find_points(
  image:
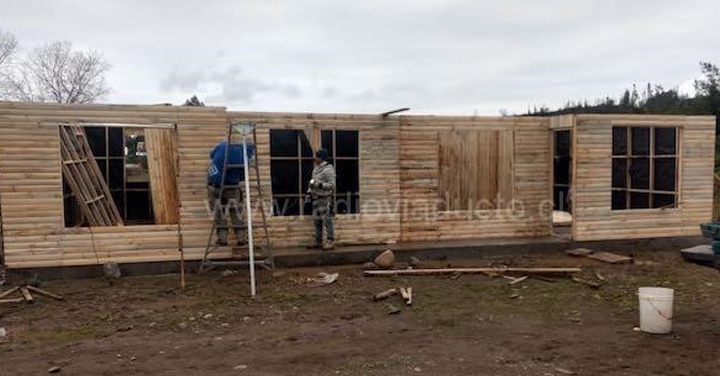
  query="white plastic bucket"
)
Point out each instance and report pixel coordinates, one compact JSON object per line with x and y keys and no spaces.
{"x":656,"y":309}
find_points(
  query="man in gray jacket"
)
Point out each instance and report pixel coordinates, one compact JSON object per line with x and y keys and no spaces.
{"x":322,"y":191}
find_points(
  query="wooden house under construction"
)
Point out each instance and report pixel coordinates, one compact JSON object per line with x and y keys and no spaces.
{"x":405,"y":178}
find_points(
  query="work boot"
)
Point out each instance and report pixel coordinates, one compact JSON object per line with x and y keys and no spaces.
{"x":329,"y":245}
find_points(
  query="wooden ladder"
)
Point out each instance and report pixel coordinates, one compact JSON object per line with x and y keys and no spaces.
{"x":266,"y":260}
{"x":84,"y":178}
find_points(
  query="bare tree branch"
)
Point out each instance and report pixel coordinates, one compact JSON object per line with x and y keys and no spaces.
{"x":8,"y":47}
{"x":57,"y":73}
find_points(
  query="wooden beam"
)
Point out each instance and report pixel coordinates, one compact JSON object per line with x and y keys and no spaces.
{"x":370,"y":273}
{"x":44,"y":292}
{"x":385,"y":294}
{"x":14,"y":300}
{"x":385,"y":114}
{"x":26,"y":294}
{"x":8,"y":292}
{"x":313,"y":138}
{"x":111,"y":125}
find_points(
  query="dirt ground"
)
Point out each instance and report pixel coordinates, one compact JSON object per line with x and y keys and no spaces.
{"x":471,"y":325}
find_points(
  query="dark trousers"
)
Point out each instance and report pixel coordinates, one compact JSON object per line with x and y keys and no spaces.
{"x":323,"y":217}
{"x":230,"y":204}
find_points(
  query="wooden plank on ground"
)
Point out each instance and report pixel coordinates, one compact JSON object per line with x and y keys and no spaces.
{"x":579,"y":252}
{"x":14,"y":300}
{"x":440,"y":271}
{"x":26,"y":294}
{"x":44,"y":292}
{"x":8,"y":292}
{"x":609,"y":257}
{"x":385,"y":294}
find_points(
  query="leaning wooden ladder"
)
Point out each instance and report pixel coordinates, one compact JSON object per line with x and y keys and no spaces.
{"x":85,"y":180}
{"x":243,"y":130}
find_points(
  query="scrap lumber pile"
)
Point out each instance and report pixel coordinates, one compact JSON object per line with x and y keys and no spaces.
{"x":404,"y":292}
{"x":25,"y":295}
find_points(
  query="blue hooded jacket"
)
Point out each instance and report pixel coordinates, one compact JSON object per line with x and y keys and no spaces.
{"x":235,"y":157}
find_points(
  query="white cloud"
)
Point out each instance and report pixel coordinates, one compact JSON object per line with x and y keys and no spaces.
{"x":228,"y":85}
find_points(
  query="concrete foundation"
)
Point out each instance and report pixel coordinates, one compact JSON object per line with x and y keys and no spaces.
{"x":442,"y":250}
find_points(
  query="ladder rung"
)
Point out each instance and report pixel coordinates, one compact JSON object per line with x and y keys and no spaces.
{"x":235,"y":165}
{"x":96,"y":199}
{"x":84,"y":180}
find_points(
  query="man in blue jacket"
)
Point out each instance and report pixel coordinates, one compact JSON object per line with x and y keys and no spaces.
{"x":228,"y":199}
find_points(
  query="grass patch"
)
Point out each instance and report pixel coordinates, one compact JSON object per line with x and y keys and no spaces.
{"x":65,"y":334}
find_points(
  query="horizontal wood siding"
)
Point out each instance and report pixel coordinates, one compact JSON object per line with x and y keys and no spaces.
{"x":31,"y":187}
{"x":528,"y":166}
{"x":593,"y":217}
{"x":399,"y":177}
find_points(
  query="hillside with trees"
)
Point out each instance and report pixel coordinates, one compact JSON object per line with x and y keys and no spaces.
{"x":652,"y":99}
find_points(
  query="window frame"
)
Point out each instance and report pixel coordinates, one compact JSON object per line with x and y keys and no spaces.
{"x":556,"y":158}
{"x":299,"y":158}
{"x":123,"y":191}
{"x":335,"y":158}
{"x":651,"y":157}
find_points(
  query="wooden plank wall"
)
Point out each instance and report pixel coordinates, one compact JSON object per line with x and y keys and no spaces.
{"x":473,"y":169}
{"x":593,"y":217}
{"x":398,"y":174}
{"x":31,"y":187}
{"x":2,"y":246}
{"x":162,"y":167}
{"x":527,"y":163}
{"x":399,"y":179}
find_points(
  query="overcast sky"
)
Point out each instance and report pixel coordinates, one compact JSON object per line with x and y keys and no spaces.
{"x":448,"y":57}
